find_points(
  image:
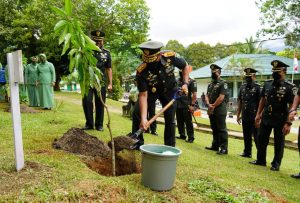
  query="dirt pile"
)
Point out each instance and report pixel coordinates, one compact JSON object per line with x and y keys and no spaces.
{"x":97,"y":155}
{"x":122,"y":142}
{"x":79,"y":142}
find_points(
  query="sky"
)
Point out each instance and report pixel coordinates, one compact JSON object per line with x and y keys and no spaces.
{"x":210,"y":21}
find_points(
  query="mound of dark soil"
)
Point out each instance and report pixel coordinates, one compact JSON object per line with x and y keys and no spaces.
{"x":122,"y":142}
{"x":79,"y":142}
{"x":25,"y":109}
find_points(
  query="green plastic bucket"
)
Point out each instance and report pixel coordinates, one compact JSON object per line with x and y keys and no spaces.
{"x":159,"y":166}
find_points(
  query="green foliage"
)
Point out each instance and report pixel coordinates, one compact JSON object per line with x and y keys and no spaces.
{"x":281,"y":18}
{"x":175,"y":46}
{"x":237,"y":66}
{"x":117,"y":91}
{"x":199,"y":54}
{"x":289,"y":53}
{"x":79,"y":47}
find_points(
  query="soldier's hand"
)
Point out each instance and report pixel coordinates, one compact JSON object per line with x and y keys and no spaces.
{"x":286,"y":129}
{"x":191,"y":109}
{"x":109,"y":88}
{"x":184,"y":89}
{"x":238,"y":119}
{"x":144,"y":124}
{"x":292,"y":115}
{"x":257,"y":121}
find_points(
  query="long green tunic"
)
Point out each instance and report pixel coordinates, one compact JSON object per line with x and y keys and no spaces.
{"x":23,"y":94}
{"x":31,"y":81}
{"x":46,"y":76}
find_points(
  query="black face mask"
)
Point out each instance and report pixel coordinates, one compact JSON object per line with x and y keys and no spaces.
{"x":214,"y":76}
{"x":276,"y":76}
{"x":248,"y":80}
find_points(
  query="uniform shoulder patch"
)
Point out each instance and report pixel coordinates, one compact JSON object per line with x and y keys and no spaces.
{"x":141,"y":67}
{"x":105,"y":49}
{"x":257,"y":84}
{"x":290,"y":83}
{"x":169,"y":53}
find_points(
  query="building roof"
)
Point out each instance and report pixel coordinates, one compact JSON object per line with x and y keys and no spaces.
{"x":262,"y":63}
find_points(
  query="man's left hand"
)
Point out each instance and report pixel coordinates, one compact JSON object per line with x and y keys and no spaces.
{"x":109,"y":88}
{"x":184,"y":89}
{"x":191,"y":109}
{"x":286,"y":129}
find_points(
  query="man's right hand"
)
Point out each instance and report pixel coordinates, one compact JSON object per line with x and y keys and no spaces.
{"x":144,"y":124}
{"x":238,"y":119}
{"x":292,"y":115}
{"x":257,"y":121}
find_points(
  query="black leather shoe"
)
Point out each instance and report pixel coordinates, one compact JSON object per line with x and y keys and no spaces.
{"x":87,"y":128}
{"x":222,"y":152}
{"x":296,"y":176}
{"x":147,"y":131}
{"x":99,"y":128}
{"x":274,"y":168}
{"x":154,"y":133}
{"x":181,"y":137}
{"x":211,"y":148}
{"x":246,"y":155}
{"x":257,"y":163}
{"x":190,"y":140}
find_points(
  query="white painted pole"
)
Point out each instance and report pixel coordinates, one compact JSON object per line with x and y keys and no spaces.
{"x":14,"y":62}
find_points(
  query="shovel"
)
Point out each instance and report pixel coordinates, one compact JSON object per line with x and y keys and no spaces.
{"x":141,"y":130}
{"x":198,"y":124}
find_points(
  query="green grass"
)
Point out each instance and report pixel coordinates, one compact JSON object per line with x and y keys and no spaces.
{"x":201,"y":175}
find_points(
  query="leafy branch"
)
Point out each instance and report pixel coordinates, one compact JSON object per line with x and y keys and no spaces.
{"x":80,"y":49}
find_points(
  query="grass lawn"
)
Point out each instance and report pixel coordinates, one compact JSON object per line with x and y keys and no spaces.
{"x":201,"y":176}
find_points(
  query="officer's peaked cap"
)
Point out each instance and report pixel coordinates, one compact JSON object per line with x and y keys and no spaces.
{"x":151,"y":45}
{"x":215,"y":67}
{"x":97,"y":35}
{"x":278,"y":65}
{"x":249,"y":71}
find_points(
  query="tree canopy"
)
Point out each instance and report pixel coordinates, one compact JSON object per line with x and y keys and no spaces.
{"x":281,"y":18}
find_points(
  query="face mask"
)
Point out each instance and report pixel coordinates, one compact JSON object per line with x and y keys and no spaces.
{"x":214,"y":76}
{"x":276,"y":76}
{"x":248,"y":80}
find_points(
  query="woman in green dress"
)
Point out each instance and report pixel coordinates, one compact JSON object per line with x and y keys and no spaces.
{"x":46,"y":81}
{"x":31,"y":82}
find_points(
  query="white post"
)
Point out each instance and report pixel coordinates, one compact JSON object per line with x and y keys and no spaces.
{"x":15,"y":68}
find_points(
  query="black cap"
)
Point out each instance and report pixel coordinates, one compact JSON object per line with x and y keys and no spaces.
{"x":249,"y":71}
{"x":278,"y":65}
{"x":215,"y":67}
{"x":97,"y":35}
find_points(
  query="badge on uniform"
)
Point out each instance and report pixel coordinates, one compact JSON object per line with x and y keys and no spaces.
{"x":153,"y":90}
{"x":225,"y":86}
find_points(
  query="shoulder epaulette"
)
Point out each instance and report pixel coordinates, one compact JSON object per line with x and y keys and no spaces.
{"x":141,"y":67}
{"x":169,"y":53}
{"x":290,"y":83}
{"x":105,"y":49}
{"x":257,"y":84}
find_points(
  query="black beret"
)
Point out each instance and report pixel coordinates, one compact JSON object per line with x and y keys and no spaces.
{"x":215,"y":67}
{"x":97,"y":35}
{"x":249,"y":71}
{"x":278,"y":65}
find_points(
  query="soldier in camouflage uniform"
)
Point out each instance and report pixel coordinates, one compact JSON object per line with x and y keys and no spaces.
{"x":216,"y":99}
{"x":276,"y":96}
